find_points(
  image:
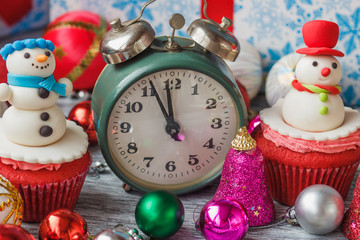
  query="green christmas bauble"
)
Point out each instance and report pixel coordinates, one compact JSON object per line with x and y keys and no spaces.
{"x":159,"y":214}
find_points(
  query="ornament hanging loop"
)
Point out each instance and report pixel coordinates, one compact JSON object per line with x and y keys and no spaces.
{"x":290,"y":216}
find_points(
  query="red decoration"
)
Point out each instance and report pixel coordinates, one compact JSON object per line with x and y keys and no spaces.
{"x":77,"y":36}
{"x":321,"y":37}
{"x":244,"y":94}
{"x":12,"y":11}
{"x":13,"y":232}
{"x":81,"y":114}
{"x":63,"y":224}
{"x":3,"y":71}
{"x":217,"y":9}
{"x":351,"y":223}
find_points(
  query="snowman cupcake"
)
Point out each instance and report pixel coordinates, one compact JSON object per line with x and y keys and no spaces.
{"x":42,"y":154}
{"x":309,"y":137}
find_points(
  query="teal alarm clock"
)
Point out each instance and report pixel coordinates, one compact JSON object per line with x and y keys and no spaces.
{"x":165,"y":109}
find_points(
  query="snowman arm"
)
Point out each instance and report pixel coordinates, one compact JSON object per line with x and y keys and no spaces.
{"x":68,"y":84}
{"x":5,"y":92}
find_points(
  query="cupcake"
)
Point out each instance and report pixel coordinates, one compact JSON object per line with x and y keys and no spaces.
{"x":309,"y":137}
{"x":42,"y":154}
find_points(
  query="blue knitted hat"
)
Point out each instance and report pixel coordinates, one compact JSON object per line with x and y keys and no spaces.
{"x":27,"y":43}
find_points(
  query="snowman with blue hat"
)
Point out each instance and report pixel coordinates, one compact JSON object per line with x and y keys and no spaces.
{"x":33,"y":119}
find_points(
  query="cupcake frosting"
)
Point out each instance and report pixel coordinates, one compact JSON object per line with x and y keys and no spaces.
{"x":273,"y":118}
{"x":71,"y":146}
{"x":299,"y":145}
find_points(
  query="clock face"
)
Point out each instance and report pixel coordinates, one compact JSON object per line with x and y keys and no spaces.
{"x":172,"y":129}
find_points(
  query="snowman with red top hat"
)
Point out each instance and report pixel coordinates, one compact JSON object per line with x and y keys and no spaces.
{"x":314,"y":103}
{"x":33,"y":119}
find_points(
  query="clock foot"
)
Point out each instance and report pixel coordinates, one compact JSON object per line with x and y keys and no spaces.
{"x":127,"y":188}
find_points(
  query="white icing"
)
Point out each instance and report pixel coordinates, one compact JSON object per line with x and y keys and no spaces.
{"x":17,"y":63}
{"x":247,"y":68}
{"x":28,"y":98}
{"x":301,"y":109}
{"x":308,"y":74}
{"x":22,"y":121}
{"x":5,"y":92}
{"x":273,"y":118}
{"x":278,"y":81}
{"x":71,"y":146}
{"x":23,"y":126}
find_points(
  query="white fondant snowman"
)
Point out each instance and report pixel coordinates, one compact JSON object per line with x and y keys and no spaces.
{"x":314,"y":103}
{"x":33,"y":119}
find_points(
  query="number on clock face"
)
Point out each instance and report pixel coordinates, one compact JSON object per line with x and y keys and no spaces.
{"x":146,"y":152}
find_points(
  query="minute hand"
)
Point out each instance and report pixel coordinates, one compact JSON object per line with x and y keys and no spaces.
{"x":159,"y":101}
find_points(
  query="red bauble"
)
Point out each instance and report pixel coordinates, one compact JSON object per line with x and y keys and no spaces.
{"x":13,"y":232}
{"x":63,"y":224}
{"x":77,"y":36}
{"x":81,"y":114}
{"x":245,"y":95}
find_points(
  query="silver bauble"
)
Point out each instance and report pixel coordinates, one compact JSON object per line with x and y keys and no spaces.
{"x":319,"y":209}
{"x":120,"y":232}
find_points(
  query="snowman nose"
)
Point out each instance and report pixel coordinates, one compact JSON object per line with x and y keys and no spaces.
{"x":41,"y":58}
{"x":325,"y":71}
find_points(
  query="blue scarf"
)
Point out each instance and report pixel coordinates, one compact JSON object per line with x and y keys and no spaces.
{"x":48,"y":83}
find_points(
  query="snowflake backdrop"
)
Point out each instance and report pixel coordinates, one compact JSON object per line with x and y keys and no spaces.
{"x":273,"y":27}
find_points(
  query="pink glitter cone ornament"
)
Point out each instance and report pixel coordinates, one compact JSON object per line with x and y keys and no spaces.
{"x":351,"y":224}
{"x":243,"y":179}
{"x":223,"y":219}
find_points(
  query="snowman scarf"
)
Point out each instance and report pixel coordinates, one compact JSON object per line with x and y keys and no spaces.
{"x":48,"y":83}
{"x":316,"y":88}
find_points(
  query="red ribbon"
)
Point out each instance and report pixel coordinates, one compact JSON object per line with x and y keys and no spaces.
{"x":217,"y":9}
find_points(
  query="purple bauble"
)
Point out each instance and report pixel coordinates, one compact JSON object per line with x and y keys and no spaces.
{"x":223,"y":219}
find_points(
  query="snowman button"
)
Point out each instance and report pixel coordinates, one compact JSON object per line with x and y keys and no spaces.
{"x":46,"y":131}
{"x":43,"y":93}
{"x":44,"y":116}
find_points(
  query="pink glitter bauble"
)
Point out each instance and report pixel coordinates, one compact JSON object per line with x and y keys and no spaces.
{"x":223,"y":219}
{"x":243,"y":179}
{"x":351,"y":223}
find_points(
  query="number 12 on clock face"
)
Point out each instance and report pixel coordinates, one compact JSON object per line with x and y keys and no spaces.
{"x":172,"y":129}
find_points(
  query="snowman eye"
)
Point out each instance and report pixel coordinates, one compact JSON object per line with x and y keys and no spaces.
{"x":334,"y":65}
{"x":47,"y":53}
{"x":26,"y":55}
{"x":315,"y":63}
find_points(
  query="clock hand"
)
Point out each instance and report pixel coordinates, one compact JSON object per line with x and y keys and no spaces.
{"x":159,"y":101}
{"x":170,"y":108}
{"x":172,"y":127}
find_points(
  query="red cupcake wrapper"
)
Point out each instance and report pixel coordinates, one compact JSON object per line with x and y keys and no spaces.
{"x":40,"y":200}
{"x":286,"y":182}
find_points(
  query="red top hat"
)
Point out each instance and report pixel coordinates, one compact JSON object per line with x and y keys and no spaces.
{"x":321,"y":37}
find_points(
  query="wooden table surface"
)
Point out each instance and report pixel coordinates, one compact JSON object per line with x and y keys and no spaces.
{"x":103,"y":204}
